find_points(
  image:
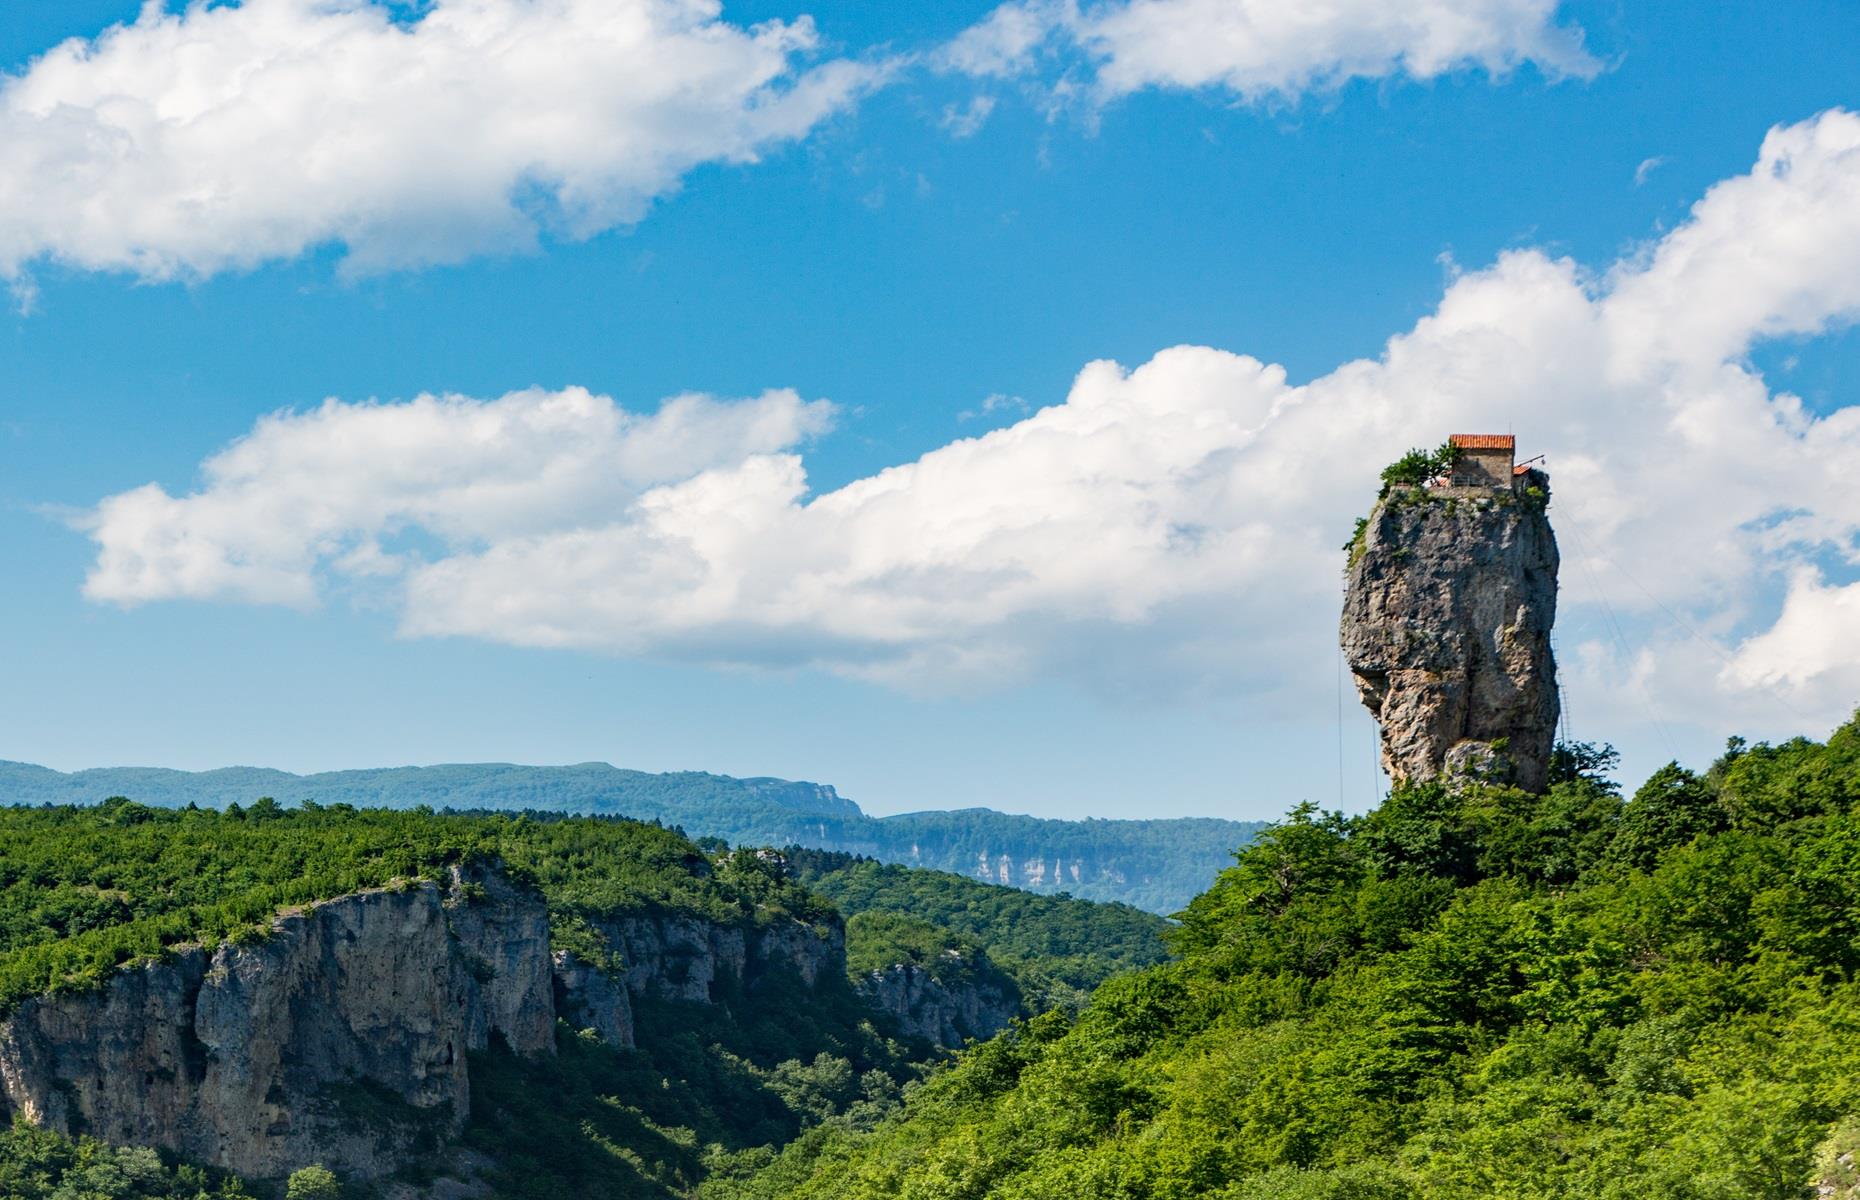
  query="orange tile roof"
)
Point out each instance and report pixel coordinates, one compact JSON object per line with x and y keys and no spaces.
{"x":1484,"y":441}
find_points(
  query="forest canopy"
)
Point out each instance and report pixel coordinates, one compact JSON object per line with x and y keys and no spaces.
{"x":1468,"y":992}
{"x":1056,"y":948}
{"x":86,"y":889}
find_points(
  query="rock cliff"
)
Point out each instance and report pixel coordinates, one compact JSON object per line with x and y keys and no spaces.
{"x":680,"y":957}
{"x":975,"y":1001}
{"x":501,"y":932}
{"x":588,"y":998}
{"x":1037,"y":872}
{"x":1446,"y":629}
{"x":340,"y":1038}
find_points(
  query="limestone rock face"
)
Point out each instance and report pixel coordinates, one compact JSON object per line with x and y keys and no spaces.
{"x":1040,"y":870}
{"x":675,"y":957}
{"x":811,"y":954}
{"x":340,"y":1038}
{"x":503,"y":932}
{"x":588,"y":998}
{"x":977,"y":1004}
{"x":1446,"y":629}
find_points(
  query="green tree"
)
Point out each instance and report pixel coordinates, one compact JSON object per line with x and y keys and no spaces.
{"x":1417,"y":467}
{"x":313,"y":1183}
{"x":1670,"y":809}
{"x":1571,"y":761}
{"x":1422,"y":827}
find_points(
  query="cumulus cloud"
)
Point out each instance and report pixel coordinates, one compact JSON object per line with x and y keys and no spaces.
{"x":224,"y":136}
{"x":1812,"y":652}
{"x":220,"y":137}
{"x":1773,"y":252}
{"x":1259,"y":48}
{"x":309,"y":495}
{"x":1176,"y":522}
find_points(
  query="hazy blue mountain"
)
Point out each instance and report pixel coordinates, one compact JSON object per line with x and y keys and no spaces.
{"x":1157,"y":865}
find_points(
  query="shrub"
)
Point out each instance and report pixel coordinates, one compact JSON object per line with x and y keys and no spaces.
{"x":1417,"y":467}
{"x":313,"y":1183}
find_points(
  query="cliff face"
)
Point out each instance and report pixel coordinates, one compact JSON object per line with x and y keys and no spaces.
{"x":976,"y":1004}
{"x":339,"y":1039}
{"x":342,"y":1037}
{"x":588,"y":998}
{"x":502,"y":934}
{"x":1446,"y":629}
{"x":673,"y":957}
{"x":1037,"y":872}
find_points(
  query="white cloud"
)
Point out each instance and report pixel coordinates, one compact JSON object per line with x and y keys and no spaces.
{"x":225,"y":136}
{"x":1004,"y":42}
{"x":185,"y":144}
{"x":966,"y":120}
{"x":1171,"y":525}
{"x":1812,"y":652}
{"x":308,"y":495}
{"x":1776,"y":251}
{"x":996,"y":402}
{"x":1259,"y":48}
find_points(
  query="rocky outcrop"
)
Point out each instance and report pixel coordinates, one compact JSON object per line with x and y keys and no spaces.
{"x":589,"y":998}
{"x":1038,"y":872}
{"x":502,"y":933}
{"x":808,"y":952}
{"x":974,"y":1001}
{"x":340,"y":1038}
{"x":1446,"y":629}
{"x":678,"y":957}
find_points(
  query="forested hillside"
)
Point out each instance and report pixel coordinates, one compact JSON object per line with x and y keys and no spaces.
{"x":1463,"y":994}
{"x":1056,"y":948}
{"x":88,"y":891}
{"x":1154,"y":864}
{"x":84,"y":891}
{"x":1469,"y":992}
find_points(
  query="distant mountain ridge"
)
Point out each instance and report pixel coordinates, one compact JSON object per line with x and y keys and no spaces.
{"x":1153,"y":864}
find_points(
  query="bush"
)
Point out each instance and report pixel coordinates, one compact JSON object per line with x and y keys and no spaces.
{"x":313,"y":1183}
{"x":1417,"y":467}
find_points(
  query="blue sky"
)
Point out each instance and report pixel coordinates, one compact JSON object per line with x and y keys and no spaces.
{"x":880,"y":260}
